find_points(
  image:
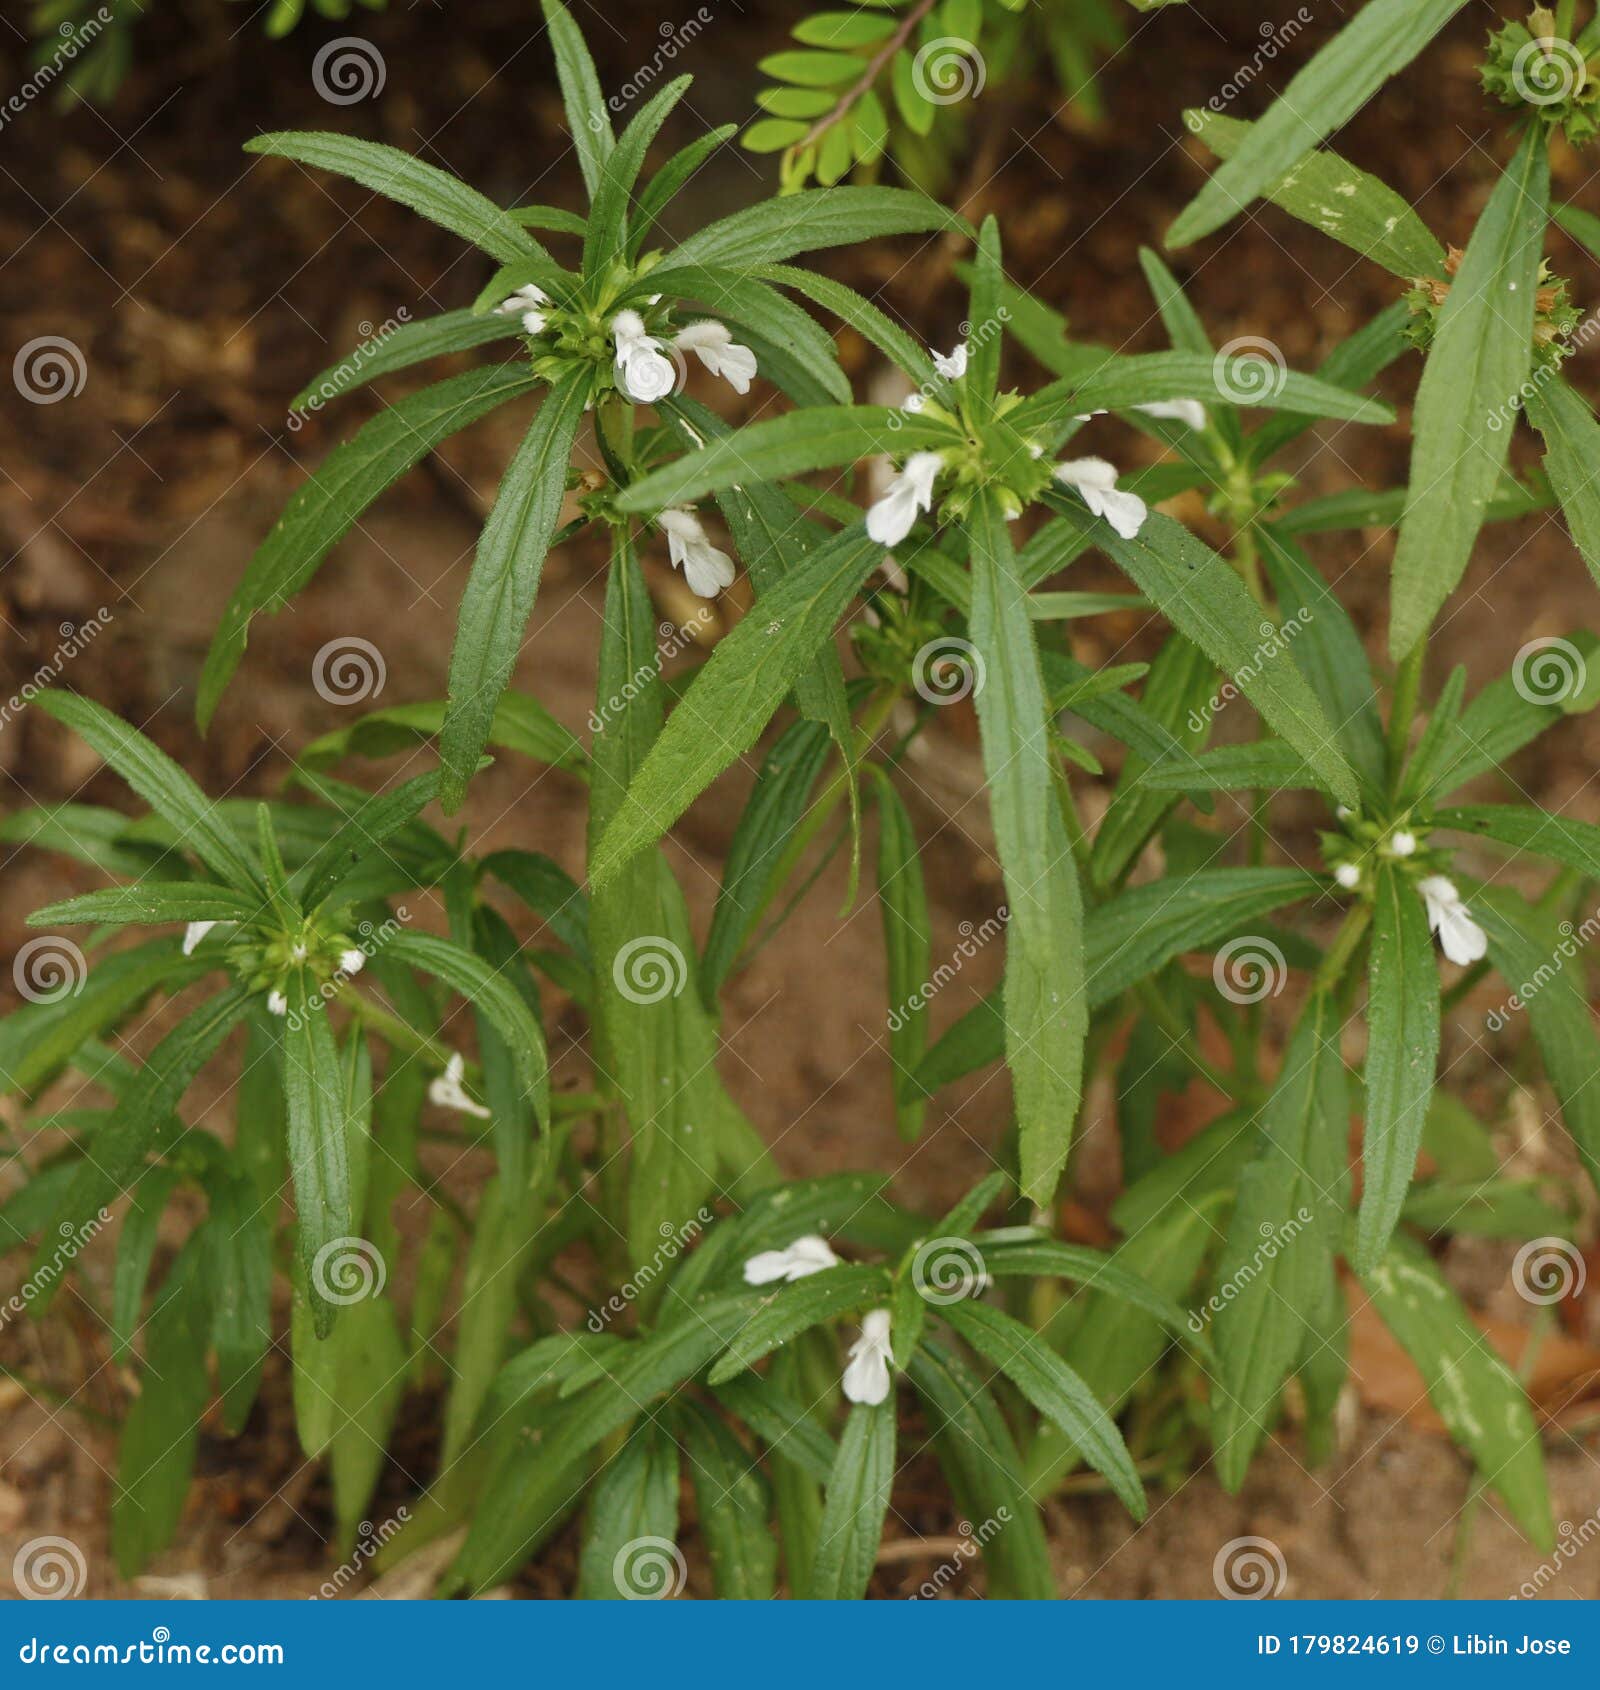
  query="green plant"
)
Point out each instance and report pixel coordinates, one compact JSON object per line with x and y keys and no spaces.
{"x":714,"y":1290}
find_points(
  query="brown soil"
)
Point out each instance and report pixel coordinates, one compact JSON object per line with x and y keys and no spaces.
{"x":204,"y":289}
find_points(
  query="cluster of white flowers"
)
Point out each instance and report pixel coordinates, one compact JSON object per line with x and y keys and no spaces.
{"x":892,"y":516}
{"x":866,"y":1375}
{"x":1461,"y":939}
{"x":646,"y":375}
{"x":525,"y":303}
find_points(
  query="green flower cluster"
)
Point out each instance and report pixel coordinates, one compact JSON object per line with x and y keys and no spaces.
{"x":1530,"y":65}
{"x":1554,"y":314}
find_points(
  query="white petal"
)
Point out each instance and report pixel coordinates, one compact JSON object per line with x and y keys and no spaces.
{"x":1087,"y":472}
{"x":866,"y":1379}
{"x":697,"y":337}
{"x":921,"y":471}
{"x":912,"y":403}
{"x":352,"y":961}
{"x":277,"y":1003}
{"x":1124,"y":511}
{"x":707,"y":570}
{"x":627,"y":331}
{"x":1189,"y":411}
{"x":737,"y":367}
{"x":1460,"y":937}
{"x":647,"y":376}
{"x":953,"y":366}
{"x":807,"y":1255}
{"x":533,"y":322}
{"x":1348,"y":876}
{"x":767,"y":1267}
{"x":889,"y":520}
{"x":194,"y":933}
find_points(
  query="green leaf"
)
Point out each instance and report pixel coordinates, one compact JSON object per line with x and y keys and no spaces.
{"x":588,"y":119}
{"x":1055,"y":1390}
{"x":605,"y":235}
{"x":776,"y":229}
{"x":427,"y":190}
{"x":629,"y":1536}
{"x":319,"y":1149}
{"x":136,"y":1249}
{"x":856,"y":1505}
{"x":1572,"y":454}
{"x":732,"y":1506}
{"x":1476,"y":1394}
{"x":521,"y":724}
{"x":504,"y":582}
{"x":238,"y":1243}
{"x":160,"y":782}
{"x":399,"y":349}
{"x":323,"y":511}
{"x":493,"y":996}
{"x":735,"y":694}
{"x":1046,"y":1016}
{"x":673,"y":176}
{"x":1332,"y":195}
{"x":782,"y":1315}
{"x":785,"y":1426}
{"x":153,"y":901}
{"x":362,"y":832}
{"x":1200,"y":595}
{"x":1467,"y":398}
{"x":1523,"y":827}
{"x":1402,"y":1054}
{"x":1292,"y":1199}
{"x":1265,"y":763}
{"x":903,"y":904}
{"x":1381,"y":39}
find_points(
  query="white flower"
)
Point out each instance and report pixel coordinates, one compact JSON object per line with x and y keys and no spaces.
{"x":277,"y":1003}
{"x":1189,"y":411}
{"x":352,"y":961}
{"x":1402,"y":844}
{"x":1096,"y":480}
{"x":706,"y":569}
{"x":449,"y":1092}
{"x":890,"y":519}
{"x":194,"y":933}
{"x":1348,"y":876}
{"x":716,"y":348}
{"x":810,"y":1254}
{"x":912,"y":403}
{"x":1343,"y":812}
{"x":646,"y":375}
{"x":866,"y":1379}
{"x":952,"y":366}
{"x":1460,"y":937}
{"x":524,"y":303}
{"x":299,"y":953}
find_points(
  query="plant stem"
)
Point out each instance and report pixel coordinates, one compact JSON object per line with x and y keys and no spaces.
{"x":865,"y":81}
{"x":1344,"y":948}
{"x":1402,"y":709}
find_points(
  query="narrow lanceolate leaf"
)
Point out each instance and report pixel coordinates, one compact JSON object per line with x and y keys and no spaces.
{"x":427,"y":190}
{"x":1202,"y":597}
{"x":1277,"y":1263}
{"x":319,"y":1147}
{"x":1469,"y":393}
{"x":177,"y":900}
{"x":1476,"y":1394}
{"x":1046,"y":1010}
{"x":733,"y":1507}
{"x":323,"y":511}
{"x":779,"y":228}
{"x":588,"y":117}
{"x":505,"y":581}
{"x":364,"y":829}
{"x":860,"y":313}
{"x":1402,"y":1053}
{"x":606,"y":232}
{"x":795,"y":1308}
{"x":168,"y":791}
{"x":1332,"y":195}
{"x":816,"y":438}
{"x":856,"y":1504}
{"x":632,"y":1521}
{"x":1522,"y":827}
{"x":1572,"y":460}
{"x":399,"y":349}
{"x":903,"y":900}
{"x":1265,"y":763}
{"x":1028,"y":1361}
{"x":735,"y":695}
{"x":1381,"y":39}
